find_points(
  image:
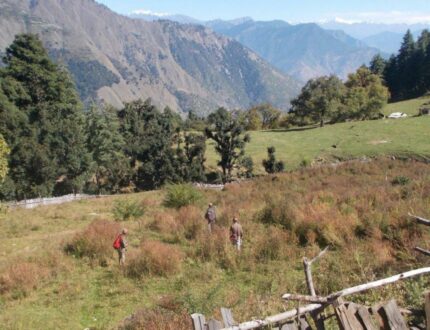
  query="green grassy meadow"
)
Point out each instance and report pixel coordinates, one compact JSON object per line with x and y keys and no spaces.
{"x":174,"y":267}
{"x":387,"y":137}
{"x":357,"y":209}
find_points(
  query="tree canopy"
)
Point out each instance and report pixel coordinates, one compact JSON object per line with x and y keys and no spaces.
{"x":407,"y":74}
{"x":41,"y":119}
{"x":227,"y":132}
{"x":319,"y":101}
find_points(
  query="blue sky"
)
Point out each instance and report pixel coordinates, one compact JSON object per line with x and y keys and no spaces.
{"x":386,"y":11}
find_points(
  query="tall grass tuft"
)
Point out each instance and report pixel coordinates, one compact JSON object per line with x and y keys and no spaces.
{"x":154,"y":258}
{"x":157,"y":319}
{"x":95,"y":242}
{"x":21,"y":277}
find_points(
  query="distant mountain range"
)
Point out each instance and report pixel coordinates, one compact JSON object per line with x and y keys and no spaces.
{"x":386,"y":37}
{"x":304,"y":50}
{"x":117,"y":59}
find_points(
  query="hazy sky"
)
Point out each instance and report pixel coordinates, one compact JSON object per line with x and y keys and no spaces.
{"x":387,"y":11}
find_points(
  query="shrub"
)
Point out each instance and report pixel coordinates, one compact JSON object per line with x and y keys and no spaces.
{"x":246,"y":167}
{"x":271,"y":244}
{"x":216,"y":247}
{"x":164,"y":222}
{"x":154,"y":258}
{"x":124,"y":210}
{"x":191,"y":220}
{"x":271,"y":165}
{"x":400,"y":180}
{"x":21,"y":277}
{"x":95,"y":242}
{"x":278,"y":212}
{"x":180,"y":195}
{"x":305,"y":163}
{"x":157,"y":319}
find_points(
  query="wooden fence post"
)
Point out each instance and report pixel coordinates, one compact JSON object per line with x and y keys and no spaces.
{"x":199,"y":321}
{"x":427,"y":309}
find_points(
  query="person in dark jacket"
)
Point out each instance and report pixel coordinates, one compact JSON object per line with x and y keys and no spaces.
{"x":210,"y":216}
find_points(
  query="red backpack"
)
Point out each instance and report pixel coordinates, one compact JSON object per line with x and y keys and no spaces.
{"x":117,"y":243}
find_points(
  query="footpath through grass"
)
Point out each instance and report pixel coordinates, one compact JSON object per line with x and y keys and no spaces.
{"x":388,"y":137}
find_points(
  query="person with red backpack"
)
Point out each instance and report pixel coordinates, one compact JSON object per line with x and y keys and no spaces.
{"x":120,"y":244}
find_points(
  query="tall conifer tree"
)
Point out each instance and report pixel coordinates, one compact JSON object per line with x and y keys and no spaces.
{"x":48,"y":152}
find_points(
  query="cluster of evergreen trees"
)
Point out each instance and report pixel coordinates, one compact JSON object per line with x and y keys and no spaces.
{"x":406,"y":74}
{"x":56,"y":147}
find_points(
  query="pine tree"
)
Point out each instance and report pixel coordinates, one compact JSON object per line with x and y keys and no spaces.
{"x":271,"y":165}
{"x":110,"y":165}
{"x":190,"y":158}
{"x":377,"y":65}
{"x":48,"y":153}
{"x":406,"y":60}
{"x":407,"y":48}
{"x":149,"y":137}
{"x":227,"y":133}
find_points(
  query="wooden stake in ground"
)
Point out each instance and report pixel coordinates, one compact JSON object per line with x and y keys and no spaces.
{"x":308,"y":271}
{"x":427,"y":309}
{"x":319,"y":322}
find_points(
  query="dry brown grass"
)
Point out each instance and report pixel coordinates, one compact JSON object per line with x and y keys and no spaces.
{"x":21,"y":277}
{"x":191,"y":221}
{"x":215,"y":247}
{"x":154,"y":258}
{"x":157,"y":319}
{"x":95,"y":242}
{"x":355,"y":208}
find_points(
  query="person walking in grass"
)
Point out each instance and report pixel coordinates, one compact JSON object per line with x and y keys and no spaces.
{"x":120,"y":244}
{"x":210,"y":216}
{"x":236,"y":233}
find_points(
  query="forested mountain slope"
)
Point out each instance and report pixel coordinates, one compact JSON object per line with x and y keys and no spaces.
{"x":118,"y":59}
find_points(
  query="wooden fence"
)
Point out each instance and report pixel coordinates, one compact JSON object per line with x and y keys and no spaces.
{"x":349,"y":316}
{"x":32,"y":203}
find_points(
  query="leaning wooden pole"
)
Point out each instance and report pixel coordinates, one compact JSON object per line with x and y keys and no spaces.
{"x":420,"y":220}
{"x":423,"y":251}
{"x":279,"y":318}
{"x":368,"y":286}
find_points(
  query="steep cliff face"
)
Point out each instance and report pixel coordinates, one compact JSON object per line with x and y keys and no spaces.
{"x":119,"y":59}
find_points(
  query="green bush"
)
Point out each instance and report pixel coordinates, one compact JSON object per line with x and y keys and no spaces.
{"x":180,"y":195}
{"x":126,"y":209}
{"x":401,"y":180}
{"x":305,"y":163}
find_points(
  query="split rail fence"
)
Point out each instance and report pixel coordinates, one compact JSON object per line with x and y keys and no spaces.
{"x":349,"y":316}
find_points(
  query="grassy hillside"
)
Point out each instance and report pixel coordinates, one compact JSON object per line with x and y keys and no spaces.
{"x":58,"y":269}
{"x":409,"y":107}
{"x":401,"y":137}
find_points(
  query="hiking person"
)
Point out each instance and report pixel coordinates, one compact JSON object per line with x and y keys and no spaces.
{"x":210,"y":216}
{"x":120,"y":244}
{"x":236,"y":233}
